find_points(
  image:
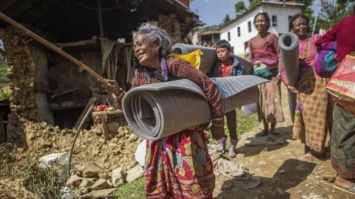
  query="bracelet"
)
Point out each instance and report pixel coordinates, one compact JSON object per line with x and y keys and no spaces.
{"x":119,"y":96}
{"x":217,"y":119}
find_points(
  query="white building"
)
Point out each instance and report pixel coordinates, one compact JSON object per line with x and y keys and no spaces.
{"x":239,"y":31}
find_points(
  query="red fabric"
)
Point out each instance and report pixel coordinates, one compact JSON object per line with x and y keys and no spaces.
{"x":343,"y":33}
{"x":225,"y":69}
{"x":179,"y":167}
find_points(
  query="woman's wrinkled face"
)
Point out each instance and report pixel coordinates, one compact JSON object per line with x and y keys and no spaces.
{"x":145,"y":51}
{"x":300,"y":27}
{"x":223,"y":54}
{"x":260,"y":23}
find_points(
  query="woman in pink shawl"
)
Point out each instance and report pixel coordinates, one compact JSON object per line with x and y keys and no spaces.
{"x":313,"y":115}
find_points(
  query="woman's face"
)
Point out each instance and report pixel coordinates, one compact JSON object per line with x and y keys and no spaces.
{"x":145,"y":51}
{"x":261,"y":24}
{"x":300,"y":27}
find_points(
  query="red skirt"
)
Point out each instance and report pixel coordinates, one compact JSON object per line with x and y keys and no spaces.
{"x":179,"y":166}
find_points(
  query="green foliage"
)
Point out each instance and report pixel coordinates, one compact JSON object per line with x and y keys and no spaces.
{"x":42,"y":182}
{"x":306,"y":9}
{"x":133,"y":190}
{"x":3,"y":71}
{"x":246,"y":123}
{"x":5,"y":95}
{"x":240,"y":7}
{"x":209,"y":28}
{"x":332,"y":12}
{"x":253,"y":3}
{"x":226,"y":19}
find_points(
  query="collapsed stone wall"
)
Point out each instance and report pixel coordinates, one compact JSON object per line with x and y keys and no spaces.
{"x":21,"y":73}
{"x":39,"y":139}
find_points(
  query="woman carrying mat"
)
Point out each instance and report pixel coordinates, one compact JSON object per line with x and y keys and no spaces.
{"x":312,"y":117}
{"x":265,"y":56}
{"x":176,"y":166}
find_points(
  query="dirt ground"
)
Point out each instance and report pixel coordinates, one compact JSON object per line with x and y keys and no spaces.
{"x":282,"y":172}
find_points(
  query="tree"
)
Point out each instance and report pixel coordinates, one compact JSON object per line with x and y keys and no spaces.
{"x":253,"y":3}
{"x":226,"y":19}
{"x":332,"y":12}
{"x":306,"y":9}
{"x":239,"y":8}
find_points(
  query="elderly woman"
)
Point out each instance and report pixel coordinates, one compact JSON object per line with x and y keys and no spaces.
{"x":312,"y":115}
{"x":177,"y":166}
{"x":264,"y":55}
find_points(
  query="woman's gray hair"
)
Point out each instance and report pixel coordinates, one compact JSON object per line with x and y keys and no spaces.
{"x":156,"y":35}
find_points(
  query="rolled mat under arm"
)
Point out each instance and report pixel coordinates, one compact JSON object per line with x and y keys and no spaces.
{"x":158,"y":110}
{"x":288,"y":43}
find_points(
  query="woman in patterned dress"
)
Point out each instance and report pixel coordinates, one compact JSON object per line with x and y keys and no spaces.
{"x":313,"y":114}
{"x":265,"y":56}
{"x":177,"y":166}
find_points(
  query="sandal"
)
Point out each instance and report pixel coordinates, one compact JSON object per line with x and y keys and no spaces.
{"x":350,"y":190}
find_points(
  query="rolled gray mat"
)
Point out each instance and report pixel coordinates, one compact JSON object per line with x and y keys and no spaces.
{"x":158,"y":110}
{"x":288,"y":43}
{"x":208,"y":59}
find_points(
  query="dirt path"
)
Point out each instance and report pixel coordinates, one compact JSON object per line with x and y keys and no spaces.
{"x":282,"y":172}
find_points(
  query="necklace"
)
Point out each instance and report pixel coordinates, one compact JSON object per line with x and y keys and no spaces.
{"x":308,"y":48}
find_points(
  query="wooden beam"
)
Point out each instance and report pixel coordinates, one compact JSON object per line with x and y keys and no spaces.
{"x":51,"y":46}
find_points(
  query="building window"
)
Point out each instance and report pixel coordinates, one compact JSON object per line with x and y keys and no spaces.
{"x":238,"y":31}
{"x":274,"y":20}
{"x":229,"y":36}
{"x":249,"y":26}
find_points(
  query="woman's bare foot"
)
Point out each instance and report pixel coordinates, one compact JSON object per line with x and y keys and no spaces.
{"x":344,"y":185}
{"x":307,"y":157}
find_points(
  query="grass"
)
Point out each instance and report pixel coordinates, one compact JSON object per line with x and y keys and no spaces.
{"x":4,"y":94}
{"x":135,"y":189}
{"x":23,"y":179}
{"x":3,"y":71}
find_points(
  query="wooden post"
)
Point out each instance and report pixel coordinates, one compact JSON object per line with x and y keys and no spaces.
{"x":2,"y":129}
{"x":51,"y":46}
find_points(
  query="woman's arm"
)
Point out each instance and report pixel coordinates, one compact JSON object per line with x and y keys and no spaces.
{"x":329,"y":36}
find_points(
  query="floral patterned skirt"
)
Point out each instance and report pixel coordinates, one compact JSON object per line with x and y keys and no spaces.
{"x":313,"y":112}
{"x":179,"y":166}
{"x":270,"y":101}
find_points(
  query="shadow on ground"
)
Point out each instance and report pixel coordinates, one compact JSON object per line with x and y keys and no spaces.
{"x":274,"y":187}
{"x":258,"y":145}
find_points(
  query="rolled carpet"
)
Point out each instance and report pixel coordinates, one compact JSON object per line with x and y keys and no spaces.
{"x":158,"y":110}
{"x":288,"y":43}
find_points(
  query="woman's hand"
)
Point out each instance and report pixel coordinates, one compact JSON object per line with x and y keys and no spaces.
{"x":111,"y":87}
{"x":292,"y":89}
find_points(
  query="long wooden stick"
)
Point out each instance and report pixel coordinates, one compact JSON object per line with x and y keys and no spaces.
{"x":51,"y":46}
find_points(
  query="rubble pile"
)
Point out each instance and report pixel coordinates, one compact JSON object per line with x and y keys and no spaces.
{"x":21,"y":73}
{"x":109,"y":143}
